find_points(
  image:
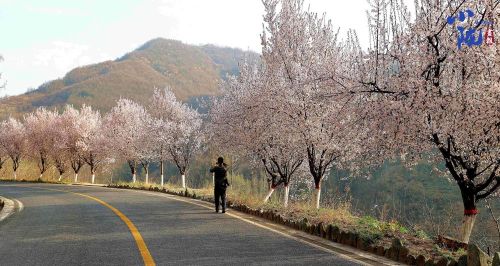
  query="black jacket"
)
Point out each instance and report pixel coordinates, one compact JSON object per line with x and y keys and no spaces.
{"x":220,"y":175}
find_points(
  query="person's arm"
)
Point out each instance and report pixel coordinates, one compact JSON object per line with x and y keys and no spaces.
{"x":212,"y":169}
{"x":226,"y":182}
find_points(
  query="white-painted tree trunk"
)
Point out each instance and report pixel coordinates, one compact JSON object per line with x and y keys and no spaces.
{"x":317,"y":196}
{"x":134,"y":178}
{"x":41,"y":176}
{"x":76,"y":178}
{"x":161,"y":172}
{"x":266,"y":199}
{"x":213,"y":179}
{"x":93,"y":178}
{"x":60,"y":177}
{"x":183,"y":181}
{"x":287,"y":193}
{"x":15,"y":175}
{"x":147,"y":178}
{"x":467,"y":225}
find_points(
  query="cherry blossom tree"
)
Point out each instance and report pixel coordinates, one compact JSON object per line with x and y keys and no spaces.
{"x":147,"y":147}
{"x":301,"y":52}
{"x":72,"y":122}
{"x":161,"y":110}
{"x":182,"y":130}
{"x":186,"y":139}
{"x":94,"y":145}
{"x":429,"y":95}
{"x":126,"y":128}
{"x":58,"y":135}
{"x":13,"y":141}
{"x":58,"y":153}
{"x":39,"y":135}
{"x":240,"y":122}
{"x":150,"y":146}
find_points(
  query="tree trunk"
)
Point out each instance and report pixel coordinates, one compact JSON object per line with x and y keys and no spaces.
{"x":213,"y":179}
{"x":317,"y":195}
{"x":133,"y":167}
{"x":60,"y":177}
{"x":15,"y":166}
{"x":147,"y":177}
{"x":287,"y":192}
{"x":183,"y":177}
{"x":271,"y":190}
{"x":76,"y":177}
{"x":470,"y":210}
{"x":93,"y":178}
{"x":161,"y":173}
{"x":467,"y":225}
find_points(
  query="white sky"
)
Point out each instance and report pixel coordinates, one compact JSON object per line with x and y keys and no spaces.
{"x":44,"y":39}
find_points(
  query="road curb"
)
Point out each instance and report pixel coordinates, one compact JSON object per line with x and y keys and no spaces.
{"x":8,"y":209}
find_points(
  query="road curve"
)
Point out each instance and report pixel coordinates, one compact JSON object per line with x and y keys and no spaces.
{"x":60,"y":225}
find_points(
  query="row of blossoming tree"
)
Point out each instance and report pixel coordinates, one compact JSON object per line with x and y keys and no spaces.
{"x":318,"y":102}
{"x":166,"y":130}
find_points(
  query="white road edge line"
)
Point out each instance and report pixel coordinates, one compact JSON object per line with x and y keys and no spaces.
{"x":202,"y":204}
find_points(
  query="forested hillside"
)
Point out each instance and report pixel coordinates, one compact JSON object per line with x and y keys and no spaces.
{"x":189,"y":70}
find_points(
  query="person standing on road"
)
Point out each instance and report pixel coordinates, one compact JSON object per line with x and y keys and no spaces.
{"x":220,"y":184}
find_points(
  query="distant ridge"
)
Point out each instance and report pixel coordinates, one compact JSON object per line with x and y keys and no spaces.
{"x":190,"y":71}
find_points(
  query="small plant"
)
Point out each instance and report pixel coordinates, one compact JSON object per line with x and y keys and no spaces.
{"x":460,"y":252}
{"x":421,"y":234}
{"x":370,"y":222}
{"x":443,"y":252}
{"x":394,"y":226}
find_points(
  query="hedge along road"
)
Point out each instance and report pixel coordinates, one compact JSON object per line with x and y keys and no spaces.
{"x":79,"y":225}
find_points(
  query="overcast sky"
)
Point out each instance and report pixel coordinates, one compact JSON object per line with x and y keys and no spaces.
{"x":44,"y":39}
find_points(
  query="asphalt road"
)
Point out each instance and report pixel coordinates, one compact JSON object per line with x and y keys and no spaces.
{"x":59,"y":227}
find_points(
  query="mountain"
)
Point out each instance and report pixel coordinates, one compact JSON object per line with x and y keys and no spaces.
{"x":191,"y":71}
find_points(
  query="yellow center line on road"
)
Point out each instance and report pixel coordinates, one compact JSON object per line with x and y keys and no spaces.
{"x":141,"y":245}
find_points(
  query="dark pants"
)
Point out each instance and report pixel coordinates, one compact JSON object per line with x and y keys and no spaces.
{"x":220,"y":198}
